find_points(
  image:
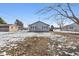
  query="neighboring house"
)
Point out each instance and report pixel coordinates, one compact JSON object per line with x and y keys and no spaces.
{"x":39,"y":27}
{"x":71,"y":27}
{"x":8,"y":27}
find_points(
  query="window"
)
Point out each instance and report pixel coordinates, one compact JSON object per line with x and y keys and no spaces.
{"x":44,"y":27}
{"x":11,"y":27}
{"x":33,"y":27}
{"x":71,"y":27}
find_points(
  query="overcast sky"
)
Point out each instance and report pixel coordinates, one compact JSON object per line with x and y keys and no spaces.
{"x":26,"y":13}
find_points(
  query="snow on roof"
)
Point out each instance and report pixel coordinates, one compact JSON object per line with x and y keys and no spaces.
{"x":38,"y":22}
{"x":73,"y":24}
{"x":6,"y":24}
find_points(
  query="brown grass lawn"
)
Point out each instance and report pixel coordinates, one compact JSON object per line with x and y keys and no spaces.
{"x":70,"y":35}
{"x":31,"y":46}
{"x":43,"y":46}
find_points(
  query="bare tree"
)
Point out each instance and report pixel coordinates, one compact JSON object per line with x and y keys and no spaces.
{"x":19,"y":23}
{"x":64,"y":10}
{"x":60,"y":22}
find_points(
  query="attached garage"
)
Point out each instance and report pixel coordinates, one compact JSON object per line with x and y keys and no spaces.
{"x":8,"y":27}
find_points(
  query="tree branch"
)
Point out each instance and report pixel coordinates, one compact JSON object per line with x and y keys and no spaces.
{"x":70,"y":9}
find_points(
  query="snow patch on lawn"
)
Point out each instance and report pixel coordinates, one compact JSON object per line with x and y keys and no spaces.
{"x":6,"y":37}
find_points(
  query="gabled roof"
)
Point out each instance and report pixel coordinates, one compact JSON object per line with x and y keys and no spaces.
{"x":73,"y":24}
{"x":38,"y":22}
